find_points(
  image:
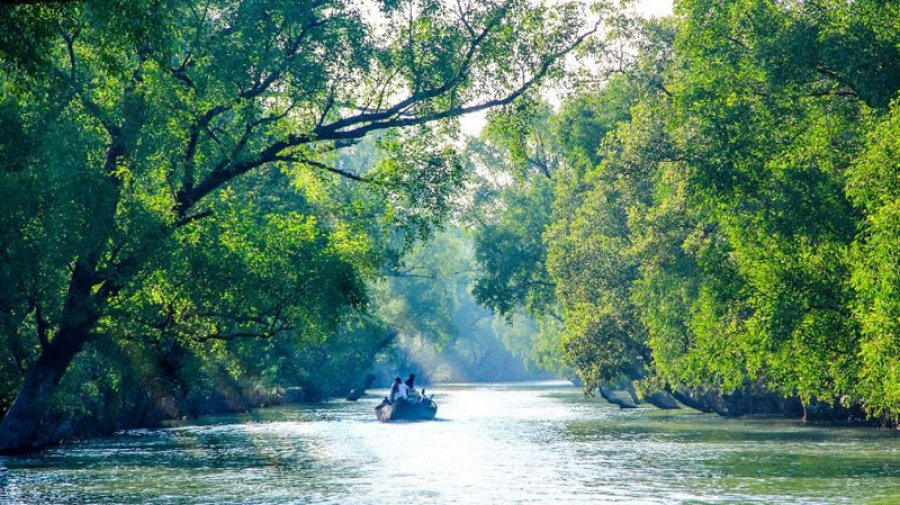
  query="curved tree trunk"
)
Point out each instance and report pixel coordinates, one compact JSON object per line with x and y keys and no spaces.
{"x":688,"y":399}
{"x":87,"y":290}
{"x":662,"y":400}
{"x":708,"y":401}
{"x":613,"y":398}
{"x":629,"y":386}
{"x":357,"y":392}
{"x":20,"y":429}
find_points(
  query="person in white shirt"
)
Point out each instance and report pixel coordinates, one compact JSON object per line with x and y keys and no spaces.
{"x":399,"y":391}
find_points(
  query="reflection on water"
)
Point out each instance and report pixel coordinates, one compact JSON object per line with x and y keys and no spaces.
{"x":499,"y":444}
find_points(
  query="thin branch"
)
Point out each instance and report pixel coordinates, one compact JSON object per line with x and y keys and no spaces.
{"x":70,"y":41}
{"x":196,"y":216}
{"x":232,"y":336}
{"x":41,"y":325}
{"x":19,"y":356}
{"x":193,"y":136}
{"x":480,"y":318}
{"x":271,"y":333}
{"x":329,"y":104}
{"x":462,"y":18}
{"x":840,"y":79}
{"x":89,"y":105}
{"x":328,"y":168}
{"x":409,"y":275}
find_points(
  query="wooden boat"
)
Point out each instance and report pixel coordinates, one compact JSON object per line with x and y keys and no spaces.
{"x":423,"y":410}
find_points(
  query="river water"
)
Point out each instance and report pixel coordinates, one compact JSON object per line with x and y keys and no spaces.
{"x":535,"y":443}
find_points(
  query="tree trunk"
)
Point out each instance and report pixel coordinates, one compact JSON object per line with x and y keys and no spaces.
{"x":613,"y":398}
{"x":20,"y":429}
{"x":687,"y":398}
{"x":662,"y":400}
{"x":357,"y":392}
{"x":629,"y":386}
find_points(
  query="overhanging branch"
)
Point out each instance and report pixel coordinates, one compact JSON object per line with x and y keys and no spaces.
{"x":358,"y":126}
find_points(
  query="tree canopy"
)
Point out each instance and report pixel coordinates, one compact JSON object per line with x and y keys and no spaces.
{"x":203,"y":202}
{"x":174,"y":172}
{"x":727,"y":231}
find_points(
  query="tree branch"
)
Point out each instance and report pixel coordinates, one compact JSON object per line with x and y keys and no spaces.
{"x":421,"y":96}
{"x":316,"y":164}
{"x":196,"y":216}
{"x":270,"y":333}
{"x":365,"y":123}
{"x":70,"y":41}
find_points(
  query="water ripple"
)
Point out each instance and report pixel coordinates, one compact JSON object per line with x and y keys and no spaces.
{"x":510,"y":444}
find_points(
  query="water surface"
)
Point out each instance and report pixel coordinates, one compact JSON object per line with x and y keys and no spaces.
{"x":497,"y":444}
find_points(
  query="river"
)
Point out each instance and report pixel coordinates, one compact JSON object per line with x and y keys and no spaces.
{"x":534,"y":443}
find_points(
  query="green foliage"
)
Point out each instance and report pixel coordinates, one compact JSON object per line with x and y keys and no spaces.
{"x":511,"y":252}
{"x":584,"y":120}
{"x":593,"y":261}
{"x":872,"y":186}
{"x":517,"y":162}
{"x":519,"y":226}
{"x":175,"y":185}
{"x":429,"y":175}
{"x":736,"y":230}
{"x":724,"y":210}
{"x":767,"y":145}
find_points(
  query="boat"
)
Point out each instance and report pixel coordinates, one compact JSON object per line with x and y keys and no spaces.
{"x":422,"y":410}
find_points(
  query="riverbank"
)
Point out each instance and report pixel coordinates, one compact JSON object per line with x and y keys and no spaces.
{"x":151,"y":410}
{"x":747,"y":403}
{"x":247,"y":397}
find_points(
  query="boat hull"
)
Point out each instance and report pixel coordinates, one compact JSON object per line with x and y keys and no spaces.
{"x":403,"y":410}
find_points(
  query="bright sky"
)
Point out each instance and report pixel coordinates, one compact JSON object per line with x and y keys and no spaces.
{"x":654,"y":7}
{"x":472,"y":124}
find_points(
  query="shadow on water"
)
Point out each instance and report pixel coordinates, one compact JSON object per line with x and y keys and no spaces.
{"x":688,"y":433}
{"x":415,"y":421}
{"x":763,"y":463}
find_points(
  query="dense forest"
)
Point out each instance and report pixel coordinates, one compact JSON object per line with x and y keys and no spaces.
{"x":718,"y":219}
{"x":205,"y":203}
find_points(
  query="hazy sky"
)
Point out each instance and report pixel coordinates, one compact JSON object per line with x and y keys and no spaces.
{"x":473,"y":123}
{"x":655,"y":7}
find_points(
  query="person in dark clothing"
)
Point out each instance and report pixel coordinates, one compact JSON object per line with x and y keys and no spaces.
{"x":411,"y":381}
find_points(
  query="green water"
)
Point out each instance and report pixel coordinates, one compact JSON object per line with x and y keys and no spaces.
{"x":498,"y":444}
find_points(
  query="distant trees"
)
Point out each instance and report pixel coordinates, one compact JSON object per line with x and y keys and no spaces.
{"x":441,"y":332}
{"x":521,"y":223}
